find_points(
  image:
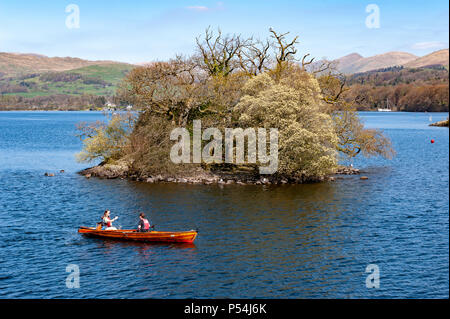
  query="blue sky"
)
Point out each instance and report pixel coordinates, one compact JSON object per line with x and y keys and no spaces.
{"x":140,"y":31}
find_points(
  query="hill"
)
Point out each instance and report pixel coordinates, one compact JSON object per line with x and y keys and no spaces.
{"x":347,"y":62}
{"x":32,"y":81}
{"x":440,"y":57}
{"x":355,"y":63}
{"x":94,"y":79}
{"x":379,"y":61}
{"x":15,"y":64}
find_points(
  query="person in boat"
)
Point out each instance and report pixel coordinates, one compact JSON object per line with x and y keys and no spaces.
{"x":107,"y":221}
{"x":144,"y":224}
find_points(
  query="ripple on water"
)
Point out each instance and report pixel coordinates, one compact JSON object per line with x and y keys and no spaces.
{"x":293,"y":241}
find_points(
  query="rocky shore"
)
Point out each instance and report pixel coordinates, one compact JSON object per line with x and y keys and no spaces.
{"x":112,"y":171}
{"x":443,"y":123}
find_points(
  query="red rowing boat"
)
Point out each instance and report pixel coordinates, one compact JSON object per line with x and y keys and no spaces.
{"x":134,"y":235}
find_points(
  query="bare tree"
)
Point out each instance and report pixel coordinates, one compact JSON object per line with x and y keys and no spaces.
{"x":305,"y":63}
{"x":255,"y":57}
{"x":333,"y":86}
{"x":217,"y":53}
{"x":174,"y":89}
{"x":286,"y":50}
{"x":353,"y":138}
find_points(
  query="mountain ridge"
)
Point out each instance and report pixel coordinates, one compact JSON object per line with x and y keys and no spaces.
{"x":15,"y":64}
{"x":379,"y":61}
{"x":356,"y":63}
{"x":440,"y":57}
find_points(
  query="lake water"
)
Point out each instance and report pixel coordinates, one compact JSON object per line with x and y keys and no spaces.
{"x":291,"y":241}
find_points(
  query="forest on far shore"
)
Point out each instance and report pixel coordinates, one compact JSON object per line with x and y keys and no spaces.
{"x":404,"y":89}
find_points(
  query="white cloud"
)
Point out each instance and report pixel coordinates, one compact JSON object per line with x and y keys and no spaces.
{"x":198,"y":8}
{"x":428,"y":45}
{"x":218,"y":7}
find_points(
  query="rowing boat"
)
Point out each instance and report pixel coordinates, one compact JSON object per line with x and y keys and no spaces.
{"x":134,"y":235}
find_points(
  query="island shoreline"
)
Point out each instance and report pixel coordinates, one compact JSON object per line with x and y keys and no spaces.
{"x":120,"y":171}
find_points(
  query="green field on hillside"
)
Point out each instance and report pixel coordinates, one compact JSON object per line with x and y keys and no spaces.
{"x":100,"y":80}
{"x":113,"y":73}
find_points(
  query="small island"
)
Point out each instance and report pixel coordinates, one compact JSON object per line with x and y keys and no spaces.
{"x":238,"y":85}
{"x":443,"y":123}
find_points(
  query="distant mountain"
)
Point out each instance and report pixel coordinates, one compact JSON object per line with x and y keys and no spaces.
{"x":440,"y":57}
{"x":347,"y":62}
{"x":355,"y":63}
{"x":375,"y":62}
{"x":34,"y":75}
{"x":15,"y":64}
{"x":93,"y":79}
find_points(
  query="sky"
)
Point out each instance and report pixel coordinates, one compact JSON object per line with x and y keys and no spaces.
{"x":144,"y":31}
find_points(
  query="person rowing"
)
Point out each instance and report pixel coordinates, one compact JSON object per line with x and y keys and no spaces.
{"x":144,"y":224}
{"x":107,"y":221}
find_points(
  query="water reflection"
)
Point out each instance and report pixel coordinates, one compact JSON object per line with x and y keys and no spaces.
{"x":109,"y":246}
{"x":283,"y":227}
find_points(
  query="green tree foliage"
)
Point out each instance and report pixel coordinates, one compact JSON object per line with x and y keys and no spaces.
{"x":354,"y":139}
{"x":105,"y":141}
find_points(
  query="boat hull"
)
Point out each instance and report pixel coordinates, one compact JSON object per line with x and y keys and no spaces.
{"x":133,"y":235}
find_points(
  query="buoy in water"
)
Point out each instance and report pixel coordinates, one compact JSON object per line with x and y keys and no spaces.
{"x":432,"y":141}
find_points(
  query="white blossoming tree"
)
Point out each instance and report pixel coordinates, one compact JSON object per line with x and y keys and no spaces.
{"x":293,"y":105}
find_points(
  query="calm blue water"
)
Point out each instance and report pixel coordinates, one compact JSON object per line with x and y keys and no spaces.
{"x":293,"y":241}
